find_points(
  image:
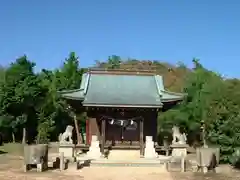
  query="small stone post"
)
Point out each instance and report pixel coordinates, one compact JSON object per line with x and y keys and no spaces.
{"x":26,"y":167}
{"x":166,"y":165}
{"x":40,"y":167}
{"x":204,"y":169}
{"x":62,"y":164}
{"x":182,"y":164}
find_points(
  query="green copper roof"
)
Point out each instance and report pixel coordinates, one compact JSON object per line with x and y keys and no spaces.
{"x":118,"y":90}
{"x":127,"y":90}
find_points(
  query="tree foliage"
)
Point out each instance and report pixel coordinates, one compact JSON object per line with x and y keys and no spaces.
{"x":31,"y":109}
{"x":213,"y":103}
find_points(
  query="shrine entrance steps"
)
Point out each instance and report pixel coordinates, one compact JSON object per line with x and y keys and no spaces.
{"x":130,"y":158}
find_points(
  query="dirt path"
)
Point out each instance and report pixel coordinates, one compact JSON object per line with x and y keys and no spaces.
{"x":11,"y":169}
{"x":121,"y":173}
{"x":92,"y":173}
{"x":111,"y":173}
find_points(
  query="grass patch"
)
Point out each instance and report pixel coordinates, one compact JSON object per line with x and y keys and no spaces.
{"x":17,"y":149}
{"x":12,"y":148}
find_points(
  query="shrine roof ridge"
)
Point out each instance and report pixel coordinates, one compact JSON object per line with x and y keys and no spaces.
{"x":122,"y":71}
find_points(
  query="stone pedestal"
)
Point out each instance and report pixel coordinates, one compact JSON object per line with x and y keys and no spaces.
{"x":149,"y":151}
{"x":207,"y":158}
{"x":94,"y":149}
{"x":67,"y":149}
{"x":179,"y":150}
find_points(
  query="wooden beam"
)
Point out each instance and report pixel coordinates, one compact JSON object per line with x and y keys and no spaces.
{"x":103,"y":130}
{"x":141,"y":139}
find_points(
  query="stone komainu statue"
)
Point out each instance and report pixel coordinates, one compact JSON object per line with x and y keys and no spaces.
{"x":178,"y":137}
{"x":66,"y":137}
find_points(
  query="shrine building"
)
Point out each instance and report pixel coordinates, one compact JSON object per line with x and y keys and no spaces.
{"x":122,"y":106}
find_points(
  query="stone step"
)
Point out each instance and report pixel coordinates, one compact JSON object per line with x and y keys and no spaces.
{"x":125,"y":165}
{"x":130,"y":163}
{"x":124,"y":154}
{"x":126,"y":161}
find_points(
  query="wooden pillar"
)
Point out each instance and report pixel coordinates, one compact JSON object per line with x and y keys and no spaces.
{"x":141,"y":139}
{"x":103,"y":135}
{"x":79,"y":137}
{"x":87,"y":133}
{"x":93,"y":129}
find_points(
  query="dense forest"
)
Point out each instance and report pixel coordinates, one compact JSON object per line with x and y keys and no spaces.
{"x":32,"y":111}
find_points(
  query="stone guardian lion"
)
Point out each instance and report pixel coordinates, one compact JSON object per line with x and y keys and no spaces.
{"x":66,"y":137}
{"x":178,"y":137}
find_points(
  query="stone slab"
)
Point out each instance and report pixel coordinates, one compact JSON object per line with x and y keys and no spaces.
{"x":179,"y":146}
{"x":66,"y":144}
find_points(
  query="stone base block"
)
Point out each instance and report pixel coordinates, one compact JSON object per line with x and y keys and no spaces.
{"x":67,"y":150}
{"x":179,"y":150}
{"x":150,"y":153}
{"x":40,"y":167}
{"x":94,"y":153}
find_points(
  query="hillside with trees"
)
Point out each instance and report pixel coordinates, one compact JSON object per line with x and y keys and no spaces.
{"x":174,"y":75}
{"x":32,"y":111}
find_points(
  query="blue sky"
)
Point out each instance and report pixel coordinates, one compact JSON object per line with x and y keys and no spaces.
{"x":171,"y":31}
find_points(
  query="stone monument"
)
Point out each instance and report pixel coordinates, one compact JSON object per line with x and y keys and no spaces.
{"x":179,"y":143}
{"x":36,"y":155}
{"x":66,"y":145}
{"x":149,"y":151}
{"x":94,"y":149}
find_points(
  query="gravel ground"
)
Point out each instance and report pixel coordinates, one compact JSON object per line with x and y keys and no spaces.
{"x":11,"y":169}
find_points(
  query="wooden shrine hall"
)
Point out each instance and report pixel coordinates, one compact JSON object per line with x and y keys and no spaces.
{"x":122,"y":106}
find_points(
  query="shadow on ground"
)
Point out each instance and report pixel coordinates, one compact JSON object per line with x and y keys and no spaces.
{"x":2,"y":152}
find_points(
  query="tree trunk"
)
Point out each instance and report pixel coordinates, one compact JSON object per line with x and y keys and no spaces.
{"x":24,"y":136}
{"x":13,"y":137}
{"x":79,"y":137}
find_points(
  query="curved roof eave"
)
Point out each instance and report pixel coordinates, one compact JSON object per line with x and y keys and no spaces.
{"x":168,"y":96}
{"x":123,"y":105}
{"x":76,"y":94}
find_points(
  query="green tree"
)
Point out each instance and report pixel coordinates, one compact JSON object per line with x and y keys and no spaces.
{"x":200,"y":88}
{"x":53,"y":112}
{"x":114,"y":62}
{"x":19,"y":93}
{"x":69,"y":75}
{"x":47,"y":107}
{"x":215,"y":102}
